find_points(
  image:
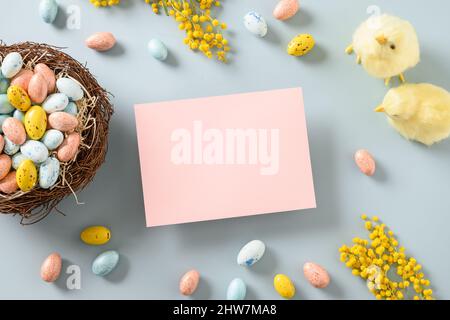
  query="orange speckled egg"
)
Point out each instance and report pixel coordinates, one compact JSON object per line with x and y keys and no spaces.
{"x":286,"y":9}
{"x":62,"y":121}
{"x":189,"y":282}
{"x":8,"y":184}
{"x":5,"y":165}
{"x":316,"y":275}
{"x":365,"y":162}
{"x":51,"y":267}
{"x":14,"y":130}
{"x":22,"y":79}
{"x":48,"y":75}
{"x":68,"y":149}
{"x":37,"y":88}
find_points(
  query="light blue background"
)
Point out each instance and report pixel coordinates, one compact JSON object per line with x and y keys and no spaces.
{"x":410,"y":190}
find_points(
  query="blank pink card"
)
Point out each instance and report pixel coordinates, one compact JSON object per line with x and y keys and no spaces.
{"x":224,"y":157}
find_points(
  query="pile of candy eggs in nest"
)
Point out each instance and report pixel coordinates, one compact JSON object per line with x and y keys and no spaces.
{"x":38,"y":124}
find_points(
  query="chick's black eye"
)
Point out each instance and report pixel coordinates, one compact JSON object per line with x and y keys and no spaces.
{"x":393,"y":46}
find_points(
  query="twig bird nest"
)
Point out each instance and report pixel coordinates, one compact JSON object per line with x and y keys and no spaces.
{"x":94,"y":113}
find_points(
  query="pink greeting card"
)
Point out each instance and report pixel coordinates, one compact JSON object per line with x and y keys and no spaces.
{"x":223,"y":157}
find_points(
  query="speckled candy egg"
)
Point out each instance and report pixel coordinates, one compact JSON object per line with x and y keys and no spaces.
{"x":37,"y":88}
{"x":26,"y":175}
{"x":69,"y":148}
{"x":301,"y":45}
{"x":189,"y":282}
{"x":19,"y":115}
{"x":158,"y":49}
{"x":236,"y":290}
{"x":55,"y":102}
{"x":3,"y":117}
{"x":22,"y":79}
{"x":286,"y":9}
{"x":48,"y":75}
{"x":5,"y":106}
{"x":17,"y":160}
{"x":8,"y":184}
{"x":52,"y":139}
{"x":48,"y":9}
{"x":62,"y":121}
{"x":34,"y":150}
{"x":95,"y":235}
{"x":251,"y":253}
{"x":255,"y":23}
{"x":71,"y":108}
{"x":105,"y":263}
{"x":284,"y":286}
{"x":18,"y":98}
{"x":365,"y":162}
{"x":10,"y":147}
{"x":316,"y":275}
{"x":51,"y":268}
{"x":35,"y":122}
{"x":2,"y":143}
{"x":101,"y":41}
{"x":48,"y":173}
{"x":5,"y":165}
{"x":70,"y":88}
{"x":13,"y":129}
{"x":4,"y":84}
{"x":12,"y":64}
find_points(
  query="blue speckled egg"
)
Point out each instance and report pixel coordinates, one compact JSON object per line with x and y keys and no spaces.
{"x":255,"y":23}
{"x":12,"y":64}
{"x":19,"y":115}
{"x":10,"y":148}
{"x":4,"y":84}
{"x":251,"y":253}
{"x":70,"y":88}
{"x":157,"y":49}
{"x":35,"y":151}
{"x":5,"y":106}
{"x":48,"y":173}
{"x":48,"y":9}
{"x":236,"y":290}
{"x":52,"y":139}
{"x":72,"y":108}
{"x":17,"y":160}
{"x":55,"y":102}
{"x":105,"y":263}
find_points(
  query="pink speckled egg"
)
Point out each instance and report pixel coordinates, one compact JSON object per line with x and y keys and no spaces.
{"x":8,"y":184}
{"x":22,"y":79}
{"x":51,"y":267}
{"x":14,"y":130}
{"x":5,"y":165}
{"x":101,"y":41}
{"x":37,"y":88}
{"x":316,"y":275}
{"x":48,"y":75}
{"x":189,"y":282}
{"x":2,"y":143}
{"x":286,"y":9}
{"x":365,"y":162}
{"x":68,"y":149}
{"x":62,"y":121}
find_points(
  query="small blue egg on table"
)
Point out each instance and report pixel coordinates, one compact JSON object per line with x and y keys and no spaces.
{"x":158,"y":49}
{"x":48,"y":9}
{"x":105,"y":263}
{"x":236,"y":290}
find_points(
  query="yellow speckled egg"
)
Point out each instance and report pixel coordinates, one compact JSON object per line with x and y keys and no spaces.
{"x":95,"y":235}
{"x":18,"y":98}
{"x":26,"y":175}
{"x":284,"y":286}
{"x":35,"y":121}
{"x":301,"y":45}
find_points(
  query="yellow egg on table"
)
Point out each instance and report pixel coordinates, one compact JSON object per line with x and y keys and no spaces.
{"x":284,"y":286}
{"x":26,"y":175}
{"x":18,"y":98}
{"x":301,"y":45}
{"x":95,"y":235}
{"x":35,"y":121}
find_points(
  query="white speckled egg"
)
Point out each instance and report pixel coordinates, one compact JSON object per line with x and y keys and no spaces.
{"x":71,"y":109}
{"x":52,"y":139}
{"x":251,"y":253}
{"x":35,"y":151}
{"x":236,"y":290}
{"x":255,"y":23}
{"x":105,"y":263}
{"x":5,"y":106}
{"x":48,"y":9}
{"x":70,"y":88}
{"x":55,"y":102}
{"x":10,"y":148}
{"x":48,"y":173}
{"x":158,"y":49}
{"x":17,"y":160}
{"x":11,"y":64}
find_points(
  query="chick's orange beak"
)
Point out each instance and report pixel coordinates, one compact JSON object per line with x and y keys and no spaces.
{"x":382,"y":40}
{"x":380,"y":109}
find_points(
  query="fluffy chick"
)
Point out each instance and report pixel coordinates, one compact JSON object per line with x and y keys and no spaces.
{"x":419,"y":112}
{"x":386,"y":46}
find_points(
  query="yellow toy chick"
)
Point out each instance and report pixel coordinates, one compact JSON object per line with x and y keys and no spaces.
{"x":418,"y":112}
{"x":386,"y":46}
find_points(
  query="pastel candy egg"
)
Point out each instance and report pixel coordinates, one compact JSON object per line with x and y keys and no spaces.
{"x":5,"y":165}
{"x":51,"y":268}
{"x":52,"y":139}
{"x":18,"y":98}
{"x":286,"y":9}
{"x":13,"y":129}
{"x":11,"y":65}
{"x":22,"y":79}
{"x":284,"y":286}
{"x":37,"y":88}
{"x":68,"y":149}
{"x":55,"y":102}
{"x":255,"y":23}
{"x":251,"y":253}
{"x":3,"y":117}
{"x":72,"y":108}
{"x":26,"y":175}
{"x":62,"y":121}
{"x":236,"y":290}
{"x":10,"y":148}
{"x":101,"y":41}
{"x":189,"y":282}
{"x":4,"y":84}
{"x":365,"y":162}
{"x":8,"y":184}
{"x":316,"y":275}
{"x":17,"y":160}
{"x":301,"y":45}
{"x":48,"y":173}
{"x":2,"y":143}
{"x":5,"y":106}
{"x":34,"y":150}
{"x":158,"y":49}
{"x":70,"y":88}
{"x":105,"y":263}
{"x":48,"y":9}
{"x":19,"y":115}
{"x":35,"y":122}
{"x":95,"y":235}
{"x":48,"y":75}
